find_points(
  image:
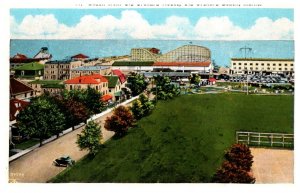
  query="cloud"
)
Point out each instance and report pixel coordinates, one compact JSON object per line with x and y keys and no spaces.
{"x":263,"y":29}
{"x":132,"y":25}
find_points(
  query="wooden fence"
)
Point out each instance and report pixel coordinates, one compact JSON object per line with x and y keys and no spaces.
{"x":265,"y":139}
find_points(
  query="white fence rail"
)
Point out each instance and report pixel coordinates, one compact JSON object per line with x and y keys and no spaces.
{"x":265,"y":139}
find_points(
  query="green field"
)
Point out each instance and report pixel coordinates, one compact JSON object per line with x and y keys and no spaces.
{"x":184,"y":139}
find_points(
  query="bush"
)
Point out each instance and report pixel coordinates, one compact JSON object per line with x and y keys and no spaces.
{"x":240,"y":155}
{"x":120,"y":121}
{"x":236,"y":167}
{"x":231,"y":173}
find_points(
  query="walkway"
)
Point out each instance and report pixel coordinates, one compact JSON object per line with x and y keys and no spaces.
{"x":36,"y":166}
{"x":273,"y":165}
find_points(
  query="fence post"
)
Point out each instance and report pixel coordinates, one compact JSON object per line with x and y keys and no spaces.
{"x":283,"y":142}
{"x":248,"y":141}
{"x":258,"y":138}
{"x":271,"y":140}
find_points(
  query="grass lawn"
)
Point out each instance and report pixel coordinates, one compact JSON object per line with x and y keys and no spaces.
{"x":27,"y":144}
{"x":183,"y":140}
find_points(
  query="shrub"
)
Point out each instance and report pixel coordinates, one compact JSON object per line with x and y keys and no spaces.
{"x":231,"y":173}
{"x":120,"y":121}
{"x":240,"y":155}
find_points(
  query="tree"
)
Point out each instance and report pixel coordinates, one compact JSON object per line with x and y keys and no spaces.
{"x":41,"y":118}
{"x":231,"y":173}
{"x":137,"y":110}
{"x":240,"y":155}
{"x":90,"y":138}
{"x":136,"y":83}
{"x":195,"y":79}
{"x":120,"y":121}
{"x":90,"y":97}
{"x":76,"y":112}
{"x":93,"y":100}
{"x":164,"y":89}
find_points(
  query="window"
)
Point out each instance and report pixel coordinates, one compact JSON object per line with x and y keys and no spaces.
{"x":245,"y":68}
{"x":245,"y":63}
{"x":262,"y":64}
{"x":268,"y":68}
{"x":71,"y":87}
{"x":256,"y":64}
{"x":256,"y":68}
{"x":240,"y":68}
{"x":240,"y":63}
{"x":279,"y":68}
{"x":109,"y":90}
{"x":234,"y":63}
{"x":279,"y":64}
{"x":251,"y":64}
{"x":292,"y":69}
{"x":233,"y":68}
{"x":274,"y":68}
{"x":285,"y":69}
{"x":251,"y":68}
{"x":292,"y":64}
{"x":274,"y":64}
{"x":285,"y":64}
{"x":268,"y":64}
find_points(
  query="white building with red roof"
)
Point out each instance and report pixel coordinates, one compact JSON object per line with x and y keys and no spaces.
{"x":96,"y":81}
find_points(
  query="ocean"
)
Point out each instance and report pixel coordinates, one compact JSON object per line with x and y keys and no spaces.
{"x":221,"y":51}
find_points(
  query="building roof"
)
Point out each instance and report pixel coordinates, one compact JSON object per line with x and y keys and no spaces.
{"x":59,"y":62}
{"x":262,"y":59}
{"x":15,"y":106}
{"x":189,"y":64}
{"x":132,"y":63}
{"x":90,"y":68}
{"x":112,"y":81}
{"x":169,"y":74}
{"x":120,"y":74}
{"x":31,"y":66}
{"x":20,"y":56}
{"x":17,"y":87}
{"x":88,"y":79}
{"x":106,"y":97}
{"x":80,"y":56}
{"x":23,"y":60}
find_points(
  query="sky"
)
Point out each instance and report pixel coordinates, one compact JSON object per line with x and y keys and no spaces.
{"x":161,"y":23}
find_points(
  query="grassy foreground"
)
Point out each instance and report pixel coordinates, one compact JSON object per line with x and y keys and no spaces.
{"x":183,"y":140}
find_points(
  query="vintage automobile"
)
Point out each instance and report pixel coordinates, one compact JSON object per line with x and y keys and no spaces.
{"x":64,"y":161}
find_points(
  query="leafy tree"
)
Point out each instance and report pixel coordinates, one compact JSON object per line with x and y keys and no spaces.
{"x":41,"y":118}
{"x":136,"y":83}
{"x":90,"y":138}
{"x":93,"y":100}
{"x":137,"y":110}
{"x":240,"y":155}
{"x":120,"y":121}
{"x":195,"y":79}
{"x":90,"y":97}
{"x":141,"y":107}
{"x":164,"y":88}
{"x":231,"y":173}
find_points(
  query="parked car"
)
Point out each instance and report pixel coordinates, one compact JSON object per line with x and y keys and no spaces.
{"x":64,"y":161}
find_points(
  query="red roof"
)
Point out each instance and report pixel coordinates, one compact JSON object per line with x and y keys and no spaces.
{"x":17,"y":87}
{"x":80,"y":56}
{"x":120,"y":74}
{"x":20,"y":56}
{"x":190,"y":64}
{"x":16,"y":105}
{"x":106,"y":97}
{"x":212,"y":80}
{"x":88,"y":79}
